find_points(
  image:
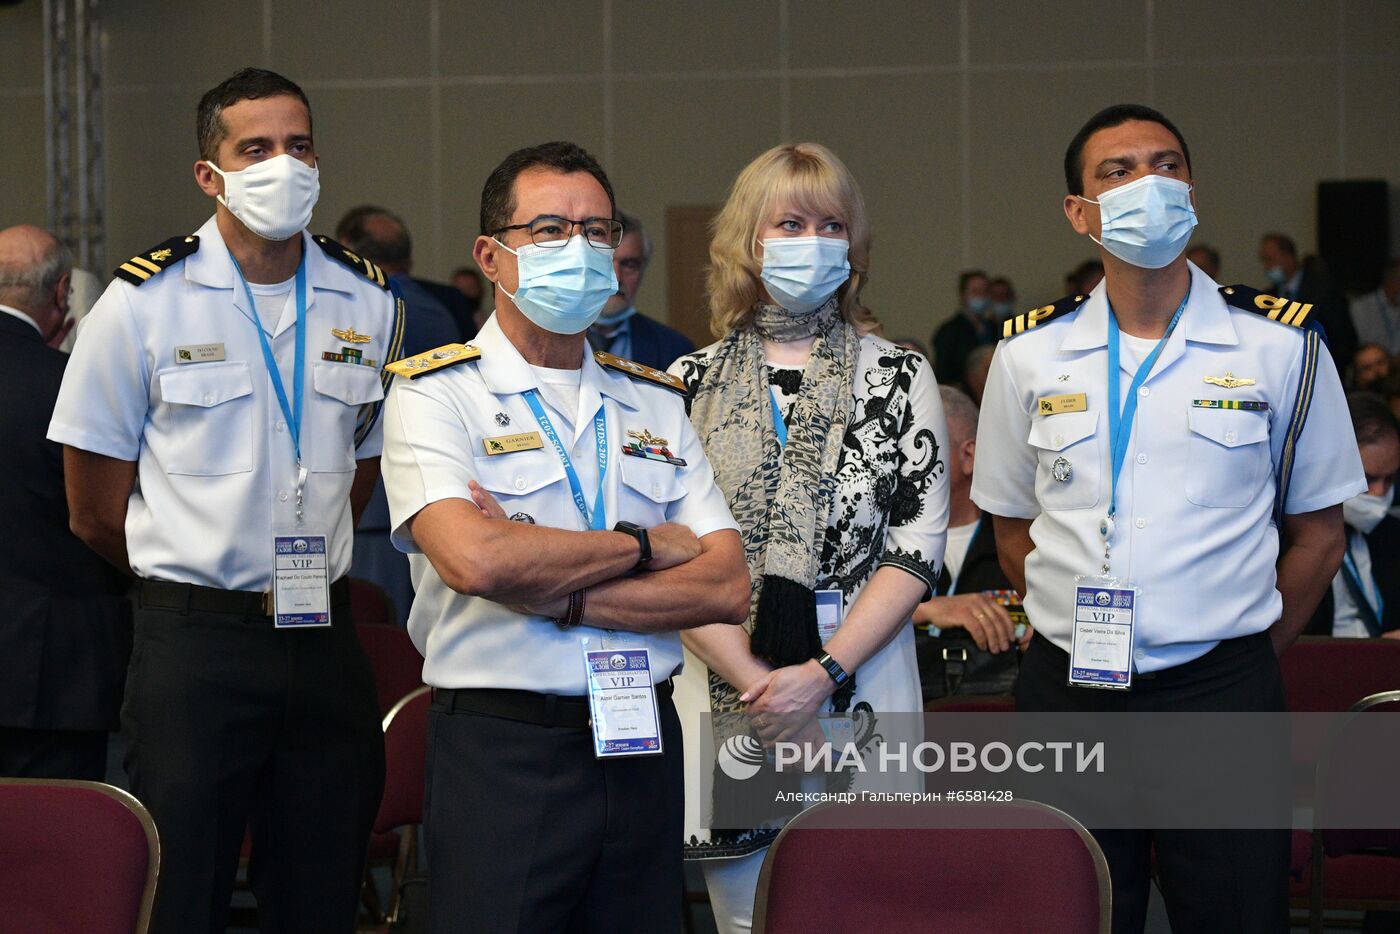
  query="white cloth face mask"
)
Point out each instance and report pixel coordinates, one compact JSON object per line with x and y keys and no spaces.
{"x":801,"y":273}
{"x":273,"y":198}
{"x":1364,"y":512}
{"x":1147,"y":222}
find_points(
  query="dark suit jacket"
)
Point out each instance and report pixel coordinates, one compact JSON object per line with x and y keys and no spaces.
{"x":456,"y":304}
{"x":1384,"y":545}
{"x":981,"y":568}
{"x":656,"y":345}
{"x":65,"y":626}
{"x":427,"y":322}
{"x":1330,"y":311}
{"x":952,"y":342}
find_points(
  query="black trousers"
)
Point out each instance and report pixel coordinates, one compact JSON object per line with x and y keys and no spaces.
{"x":528,"y":832}
{"x":232,"y":724}
{"x":1232,"y":881}
{"x":53,"y":753}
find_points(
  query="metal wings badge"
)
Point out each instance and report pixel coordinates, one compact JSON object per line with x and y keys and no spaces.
{"x":350,"y":336}
{"x":1228,"y":381}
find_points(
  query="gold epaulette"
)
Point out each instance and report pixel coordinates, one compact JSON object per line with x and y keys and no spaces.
{"x":439,"y":358}
{"x":1037,"y":316}
{"x":1273,"y":307}
{"x":155,"y":260}
{"x":638,"y":371}
{"x":362,"y":266}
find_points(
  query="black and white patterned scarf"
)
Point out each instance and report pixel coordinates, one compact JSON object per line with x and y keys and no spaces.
{"x":780,"y":497}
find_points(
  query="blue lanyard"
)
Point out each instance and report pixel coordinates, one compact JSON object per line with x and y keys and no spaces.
{"x":1350,"y":569}
{"x":290,"y":411}
{"x":1120,"y":423}
{"x":779,"y":426}
{"x":598,"y":519}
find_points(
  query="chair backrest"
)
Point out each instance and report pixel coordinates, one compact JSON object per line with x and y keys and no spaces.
{"x":972,"y":703}
{"x":1347,"y":773}
{"x":953,"y":868}
{"x":370,"y":603}
{"x":1326,"y":675}
{"x":398,"y":668}
{"x":75,"y":856}
{"x":405,"y":749}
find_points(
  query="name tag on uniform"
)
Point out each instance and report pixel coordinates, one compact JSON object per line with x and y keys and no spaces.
{"x":199,"y":353}
{"x":1101,"y":655}
{"x":829,"y":613}
{"x":301,"y":591}
{"x":622,"y":702}
{"x":506,"y":444}
{"x":1055,"y":405}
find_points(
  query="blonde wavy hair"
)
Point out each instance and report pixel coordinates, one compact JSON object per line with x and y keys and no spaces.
{"x":809,"y":177}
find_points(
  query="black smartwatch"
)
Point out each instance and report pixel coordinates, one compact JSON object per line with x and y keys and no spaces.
{"x":834,"y":669}
{"x":640,"y":534}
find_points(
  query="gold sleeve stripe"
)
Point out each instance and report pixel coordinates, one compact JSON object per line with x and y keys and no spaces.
{"x":145,"y":263}
{"x":137,"y":271}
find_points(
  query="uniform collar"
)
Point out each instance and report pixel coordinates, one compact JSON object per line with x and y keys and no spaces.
{"x":505,"y":372}
{"x":1206,"y":320}
{"x":212,"y":266}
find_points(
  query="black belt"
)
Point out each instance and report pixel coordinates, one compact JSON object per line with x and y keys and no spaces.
{"x":566,"y":710}
{"x":192,"y":598}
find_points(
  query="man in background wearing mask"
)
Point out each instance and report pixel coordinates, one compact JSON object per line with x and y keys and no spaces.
{"x":1198,"y":389}
{"x":621,"y":329}
{"x":220,"y":418}
{"x":1364,"y":600}
{"x":969,"y":328}
{"x":67,"y":630}
{"x":1306,"y":284}
{"x":1377,"y":314}
{"x":552,"y":503}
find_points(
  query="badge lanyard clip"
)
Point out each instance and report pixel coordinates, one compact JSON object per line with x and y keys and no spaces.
{"x":291,"y":411}
{"x":1120,"y":420}
{"x":597,"y":518}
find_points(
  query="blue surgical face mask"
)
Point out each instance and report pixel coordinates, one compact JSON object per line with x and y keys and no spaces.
{"x":801,"y":273}
{"x":1364,"y":512}
{"x":563,"y":289}
{"x":1003,"y":309}
{"x":978,"y":304}
{"x":1147,"y":222}
{"x":1276,"y":276}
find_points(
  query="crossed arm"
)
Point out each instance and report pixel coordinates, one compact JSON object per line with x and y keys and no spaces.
{"x":690,"y":582}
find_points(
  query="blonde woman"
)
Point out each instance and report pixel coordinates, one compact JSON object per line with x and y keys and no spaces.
{"x":829,"y":444}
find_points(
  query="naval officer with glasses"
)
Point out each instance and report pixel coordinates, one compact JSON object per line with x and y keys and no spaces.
{"x":562,"y":524}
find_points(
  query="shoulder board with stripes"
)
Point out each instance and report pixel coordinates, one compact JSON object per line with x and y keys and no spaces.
{"x":440,"y":358}
{"x":361,"y":265}
{"x":143,"y":266}
{"x":1036,"y":316}
{"x":638,"y":371}
{"x":1273,"y":307}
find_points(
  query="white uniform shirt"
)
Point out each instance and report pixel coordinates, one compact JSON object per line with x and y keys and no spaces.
{"x":216,"y":466}
{"x":1196,"y":494}
{"x":435,"y":428}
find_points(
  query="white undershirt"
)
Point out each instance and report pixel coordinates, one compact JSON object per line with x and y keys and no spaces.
{"x":271,"y":301}
{"x":560,"y":388}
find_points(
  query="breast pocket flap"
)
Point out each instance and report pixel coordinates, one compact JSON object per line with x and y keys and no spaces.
{"x":351,"y":384}
{"x":654,"y":480}
{"x":206,"y":385}
{"x":1057,"y":432}
{"x":520,"y":472}
{"x":1228,"y":428}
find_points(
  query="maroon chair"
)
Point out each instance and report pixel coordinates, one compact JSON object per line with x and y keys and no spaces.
{"x":395,"y":836}
{"x":1354,"y":869}
{"x":951,"y":868}
{"x":1326,"y":675}
{"x":398,"y":668}
{"x":972,"y":703}
{"x":75,"y":856}
{"x":370,"y":603}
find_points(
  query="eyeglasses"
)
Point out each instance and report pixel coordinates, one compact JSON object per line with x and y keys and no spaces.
{"x":551,"y":232}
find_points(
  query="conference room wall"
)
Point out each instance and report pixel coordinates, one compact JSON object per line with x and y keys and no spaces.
{"x":953,"y":114}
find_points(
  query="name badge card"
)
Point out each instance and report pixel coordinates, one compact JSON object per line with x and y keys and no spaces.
{"x":301,"y":589}
{"x":1101,"y":655}
{"x":622,"y":702}
{"x":829,"y":613}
